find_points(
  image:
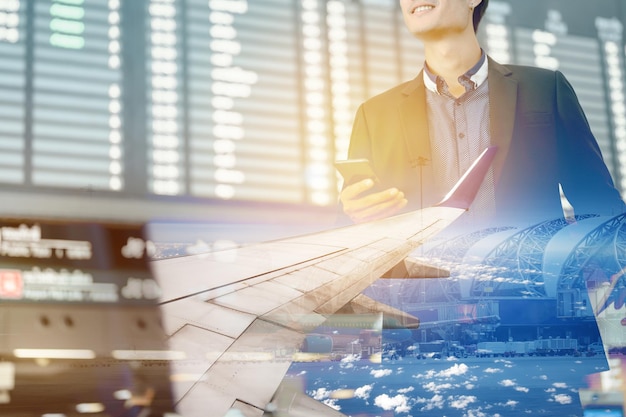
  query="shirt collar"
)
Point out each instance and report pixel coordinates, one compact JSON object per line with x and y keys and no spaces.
{"x":477,"y":75}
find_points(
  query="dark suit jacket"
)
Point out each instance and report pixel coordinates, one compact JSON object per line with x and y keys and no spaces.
{"x":541,"y":132}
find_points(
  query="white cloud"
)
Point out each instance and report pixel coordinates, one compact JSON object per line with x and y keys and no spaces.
{"x":507,"y":383}
{"x":560,"y":385}
{"x":506,"y":363}
{"x":399,"y":403}
{"x":332,"y":404}
{"x":363,"y":392}
{"x":455,"y":370}
{"x":522,"y":389}
{"x":478,"y":413}
{"x":406,"y":390}
{"x":461,"y":401}
{"x":492,"y":370}
{"x":428,"y":375}
{"x":436,"y":388}
{"x":350,"y":358}
{"x":430,"y":404}
{"x":379,"y":373}
{"x":320,"y":394}
{"x":348,"y":361}
{"x":562,"y":398}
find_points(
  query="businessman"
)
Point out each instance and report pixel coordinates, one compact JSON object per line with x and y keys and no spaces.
{"x":421,"y":135}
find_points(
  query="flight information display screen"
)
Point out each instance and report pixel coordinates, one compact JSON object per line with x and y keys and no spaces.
{"x":84,"y":263}
{"x":149,"y":103}
{"x":75,"y":136}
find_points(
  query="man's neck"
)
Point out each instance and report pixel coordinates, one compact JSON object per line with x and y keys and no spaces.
{"x":451,"y":58}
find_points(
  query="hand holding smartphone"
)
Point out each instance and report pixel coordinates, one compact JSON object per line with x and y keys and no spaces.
{"x":364,"y":202}
{"x":355,"y":170}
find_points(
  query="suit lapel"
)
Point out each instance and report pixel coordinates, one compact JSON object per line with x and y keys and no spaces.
{"x":502,"y":102}
{"x":415,"y":130}
{"x":414,"y":122}
{"x":502,"y":107}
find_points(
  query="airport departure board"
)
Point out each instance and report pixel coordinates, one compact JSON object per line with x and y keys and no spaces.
{"x":143,"y":103}
{"x":76,"y":138}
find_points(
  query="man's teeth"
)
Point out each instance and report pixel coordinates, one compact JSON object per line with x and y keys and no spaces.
{"x":422,"y":9}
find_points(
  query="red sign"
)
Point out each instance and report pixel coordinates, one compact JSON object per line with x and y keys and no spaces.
{"x":11,"y":284}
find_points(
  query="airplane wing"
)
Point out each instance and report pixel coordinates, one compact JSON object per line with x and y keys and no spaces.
{"x":239,"y":314}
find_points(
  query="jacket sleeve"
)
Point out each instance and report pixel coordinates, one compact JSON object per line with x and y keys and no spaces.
{"x":359,"y":148}
{"x":360,"y":145}
{"x":585,"y":179}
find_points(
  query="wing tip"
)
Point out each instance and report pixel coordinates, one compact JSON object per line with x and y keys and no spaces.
{"x":464,"y":191}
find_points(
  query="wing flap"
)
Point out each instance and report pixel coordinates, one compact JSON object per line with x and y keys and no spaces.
{"x":202,"y":349}
{"x":258,"y":299}
{"x":307,"y":279}
{"x":290,"y":401}
{"x":363,"y":304}
{"x":249,"y":370}
{"x":196,"y":312}
{"x":414,"y":268}
{"x":246,"y":410}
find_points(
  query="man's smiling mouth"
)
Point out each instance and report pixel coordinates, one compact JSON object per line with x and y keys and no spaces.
{"x":419,"y":9}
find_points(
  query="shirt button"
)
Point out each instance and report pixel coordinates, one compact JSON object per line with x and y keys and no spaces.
{"x":461,"y":135}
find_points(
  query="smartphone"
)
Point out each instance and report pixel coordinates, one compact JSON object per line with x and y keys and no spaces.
{"x":355,"y":170}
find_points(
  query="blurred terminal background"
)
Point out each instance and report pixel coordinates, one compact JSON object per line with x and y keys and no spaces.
{"x":233,"y":111}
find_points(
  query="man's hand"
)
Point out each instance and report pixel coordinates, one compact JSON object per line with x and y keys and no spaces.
{"x":371,"y":206}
